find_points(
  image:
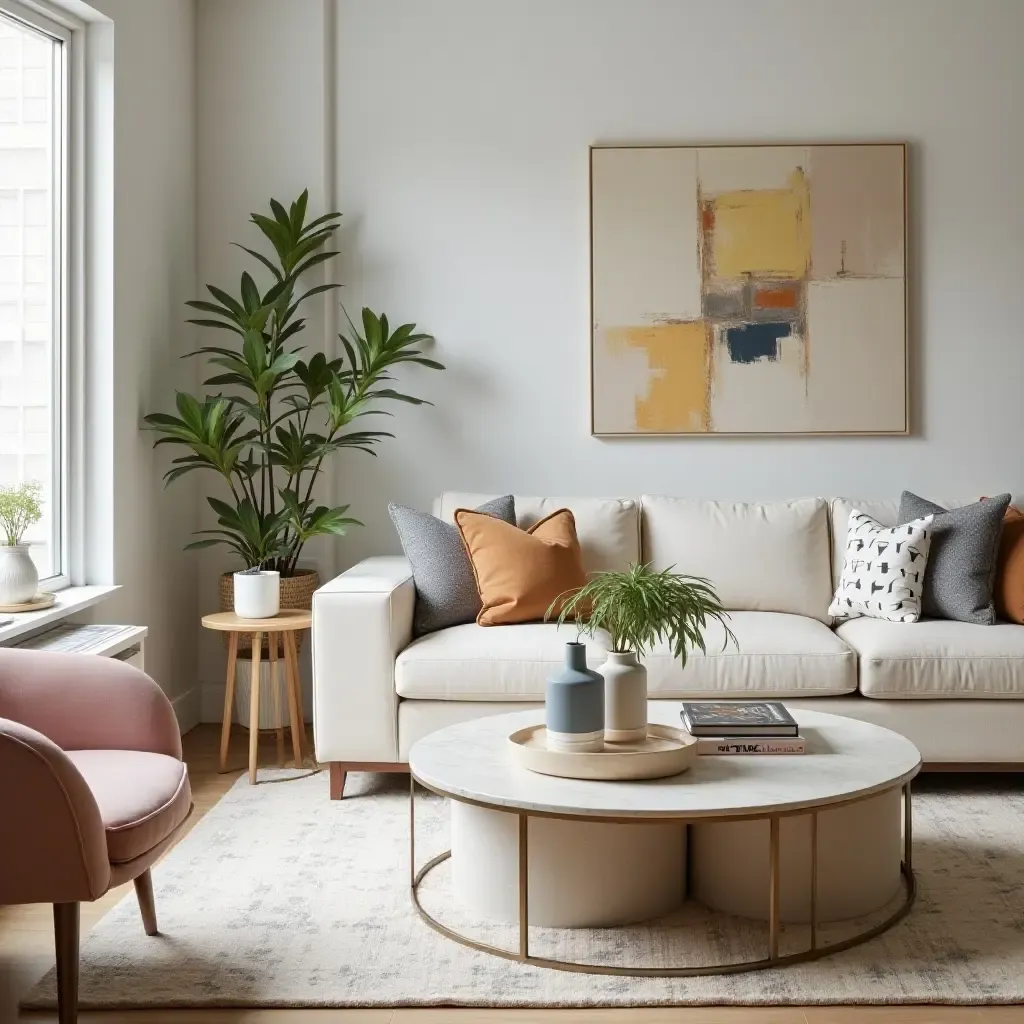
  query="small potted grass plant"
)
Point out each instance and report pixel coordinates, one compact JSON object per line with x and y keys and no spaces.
{"x":637,"y":608}
{"x":20,"y":508}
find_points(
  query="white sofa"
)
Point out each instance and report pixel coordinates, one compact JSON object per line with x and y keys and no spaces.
{"x":956,"y":690}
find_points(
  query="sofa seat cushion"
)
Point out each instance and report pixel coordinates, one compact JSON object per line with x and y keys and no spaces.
{"x":780,"y":655}
{"x":937,"y":658}
{"x":142,"y":797}
{"x":474,"y":662}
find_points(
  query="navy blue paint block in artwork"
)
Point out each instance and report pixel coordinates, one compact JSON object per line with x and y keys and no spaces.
{"x":752,"y":342}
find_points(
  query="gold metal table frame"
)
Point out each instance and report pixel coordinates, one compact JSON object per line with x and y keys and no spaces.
{"x":773,"y":959}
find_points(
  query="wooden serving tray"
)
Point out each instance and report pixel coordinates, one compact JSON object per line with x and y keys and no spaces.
{"x":666,"y":751}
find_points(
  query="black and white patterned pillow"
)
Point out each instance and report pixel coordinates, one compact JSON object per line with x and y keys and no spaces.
{"x":883,"y":571}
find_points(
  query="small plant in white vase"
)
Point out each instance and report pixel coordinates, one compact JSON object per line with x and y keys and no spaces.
{"x":637,"y":608}
{"x":20,"y":508}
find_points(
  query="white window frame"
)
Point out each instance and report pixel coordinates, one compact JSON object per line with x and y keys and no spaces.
{"x":67,"y":312}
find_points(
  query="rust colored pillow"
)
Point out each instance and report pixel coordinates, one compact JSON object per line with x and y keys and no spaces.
{"x":1009,"y":587}
{"x":520,"y":572}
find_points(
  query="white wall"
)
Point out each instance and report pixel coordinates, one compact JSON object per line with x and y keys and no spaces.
{"x":260,"y":134}
{"x":463,"y":130}
{"x":153,"y":274}
{"x":462,"y":134}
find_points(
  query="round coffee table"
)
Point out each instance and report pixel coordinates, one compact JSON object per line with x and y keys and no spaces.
{"x":818,"y":837}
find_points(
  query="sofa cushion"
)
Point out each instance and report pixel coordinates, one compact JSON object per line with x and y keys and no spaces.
{"x":770,"y":558}
{"x":446,"y":593}
{"x":474,"y":662}
{"x":142,"y":797}
{"x":962,"y":563}
{"x":779,"y":655}
{"x":608,"y":528}
{"x":522,"y":574}
{"x":885,"y":512}
{"x":937,"y":658}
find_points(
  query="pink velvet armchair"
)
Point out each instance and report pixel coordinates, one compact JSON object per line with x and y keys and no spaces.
{"x":92,"y":789}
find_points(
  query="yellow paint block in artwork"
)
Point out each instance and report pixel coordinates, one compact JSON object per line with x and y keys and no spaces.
{"x":676,"y":398}
{"x":763,"y":231}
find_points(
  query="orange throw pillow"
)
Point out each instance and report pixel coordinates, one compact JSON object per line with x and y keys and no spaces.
{"x":1009,"y":587}
{"x":519,"y":573}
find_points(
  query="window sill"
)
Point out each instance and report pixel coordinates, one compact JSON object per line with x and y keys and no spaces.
{"x":69,"y":601}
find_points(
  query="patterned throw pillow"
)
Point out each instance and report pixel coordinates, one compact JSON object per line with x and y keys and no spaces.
{"x":883,"y":571}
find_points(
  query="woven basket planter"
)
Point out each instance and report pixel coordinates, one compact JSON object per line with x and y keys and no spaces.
{"x":296,"y":592}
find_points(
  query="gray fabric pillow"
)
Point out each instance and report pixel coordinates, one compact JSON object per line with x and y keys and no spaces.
{"x":961,"y":567}
{"x":446,"y":593}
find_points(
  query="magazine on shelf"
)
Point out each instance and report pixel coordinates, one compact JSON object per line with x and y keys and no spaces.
{"x":735,"y":718}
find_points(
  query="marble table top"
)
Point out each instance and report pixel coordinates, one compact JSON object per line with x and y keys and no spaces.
{"x":845,"y":759}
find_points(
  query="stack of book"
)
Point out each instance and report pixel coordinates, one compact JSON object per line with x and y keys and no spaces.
{"x":749,"y":727}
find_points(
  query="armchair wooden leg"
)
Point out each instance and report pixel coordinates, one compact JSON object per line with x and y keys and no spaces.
{"x":65,"y":931}
{"x":337,"y":780}
{"x":147,"y":905}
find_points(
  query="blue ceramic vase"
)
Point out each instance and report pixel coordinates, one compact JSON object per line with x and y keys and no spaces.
{"x":574,"y":705}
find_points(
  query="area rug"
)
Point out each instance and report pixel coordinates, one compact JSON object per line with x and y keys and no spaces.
{"x":282,"y":898}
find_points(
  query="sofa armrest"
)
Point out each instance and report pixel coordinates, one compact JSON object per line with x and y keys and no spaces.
{"x":54,"y":848}
{"x":362,"y":619}
{"x":82,"y":702}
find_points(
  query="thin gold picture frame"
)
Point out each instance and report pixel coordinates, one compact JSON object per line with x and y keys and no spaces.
{"x":906,"y":431}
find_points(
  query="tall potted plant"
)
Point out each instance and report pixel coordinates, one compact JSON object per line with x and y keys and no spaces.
{"x":275,"y":414}
{"x":637,"y":608}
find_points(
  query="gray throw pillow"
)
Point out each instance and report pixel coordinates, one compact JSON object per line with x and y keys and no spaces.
{"x":961,"y":567}
{"x":446,"y":593}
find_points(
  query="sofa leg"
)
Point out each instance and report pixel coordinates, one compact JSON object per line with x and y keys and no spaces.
{"x":65,"y":931}
{"x":147,"y":904}
{"x":340,"y":769}
{"x":338,"y":774}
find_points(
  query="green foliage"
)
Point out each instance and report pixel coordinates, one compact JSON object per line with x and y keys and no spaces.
{"x":640,"y":606}
{"x":20,"y":507}
{"x":276,"y":415}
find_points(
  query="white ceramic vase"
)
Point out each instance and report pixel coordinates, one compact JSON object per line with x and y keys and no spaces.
{"x":19,"y":579}
{"x":625,"y":698}
{"x":257,"y":594}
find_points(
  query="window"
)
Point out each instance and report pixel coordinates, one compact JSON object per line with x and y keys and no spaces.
{"x":33,"y":260}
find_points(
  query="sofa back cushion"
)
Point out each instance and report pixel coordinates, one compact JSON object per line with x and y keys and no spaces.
{"x":608,"y":528}
{"x":886,"y":512}
{"x":771,"y":558}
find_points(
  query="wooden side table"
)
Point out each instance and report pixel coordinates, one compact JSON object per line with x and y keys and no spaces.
{"x":285,"y":624}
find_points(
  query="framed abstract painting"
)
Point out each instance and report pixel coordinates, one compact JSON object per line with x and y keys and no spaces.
{"x":748,"y":289}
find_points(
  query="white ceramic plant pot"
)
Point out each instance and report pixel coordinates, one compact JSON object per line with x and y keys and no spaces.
{"x":19,"y":579}
{"x":257,"y":594}
{"x":625,"y":698}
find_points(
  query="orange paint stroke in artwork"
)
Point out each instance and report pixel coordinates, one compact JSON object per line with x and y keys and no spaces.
{"x":776,"y":298}
{"x":708,"y":217}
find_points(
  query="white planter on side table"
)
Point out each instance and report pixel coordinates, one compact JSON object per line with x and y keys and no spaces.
{"x":257,"y":594}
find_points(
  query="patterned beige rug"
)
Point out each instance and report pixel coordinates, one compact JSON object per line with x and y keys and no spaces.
{"x":280,"y":897}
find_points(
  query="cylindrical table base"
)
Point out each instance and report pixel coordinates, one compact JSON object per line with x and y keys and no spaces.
{"x":859,"y":850}
{"x":580,"y":874}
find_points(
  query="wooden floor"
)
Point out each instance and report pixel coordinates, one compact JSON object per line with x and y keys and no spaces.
{"x":26,"y":952}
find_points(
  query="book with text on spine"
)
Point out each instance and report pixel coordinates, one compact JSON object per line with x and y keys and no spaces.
{"x":726,"y":746}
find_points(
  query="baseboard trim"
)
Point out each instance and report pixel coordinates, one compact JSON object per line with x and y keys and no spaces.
{"x":187,"y":709}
